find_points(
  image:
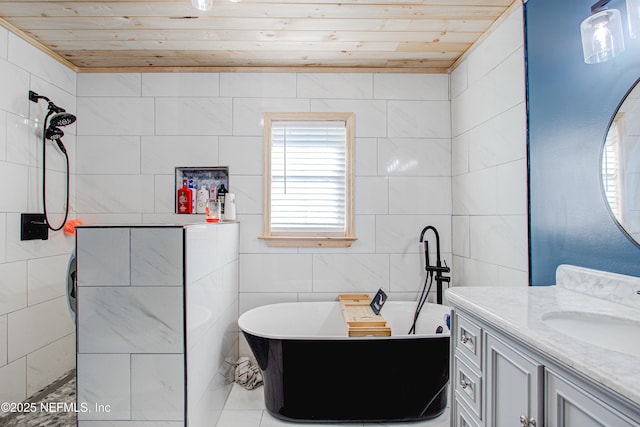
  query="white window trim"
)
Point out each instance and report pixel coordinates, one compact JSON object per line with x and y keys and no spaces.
{"x":301,"y":238}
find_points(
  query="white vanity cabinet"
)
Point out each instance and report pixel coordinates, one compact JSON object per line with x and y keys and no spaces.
{"x":500,"y":381}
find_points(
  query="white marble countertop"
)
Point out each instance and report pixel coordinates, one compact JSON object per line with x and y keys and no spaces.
{"x":520,"y":311}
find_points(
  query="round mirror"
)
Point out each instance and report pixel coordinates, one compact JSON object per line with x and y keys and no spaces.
{"x":621,"y":165}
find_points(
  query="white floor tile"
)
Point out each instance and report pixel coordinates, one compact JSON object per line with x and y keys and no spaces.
{"x":240,"y":418}
{"x":269,"y":420}
{"x":240,"y":398}
{"x":245,"y":408}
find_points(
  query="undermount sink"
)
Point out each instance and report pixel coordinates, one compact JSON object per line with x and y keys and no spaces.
{"x":609,"y":332}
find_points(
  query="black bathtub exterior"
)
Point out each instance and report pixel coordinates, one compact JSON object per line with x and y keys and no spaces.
{"x":362,"y":379}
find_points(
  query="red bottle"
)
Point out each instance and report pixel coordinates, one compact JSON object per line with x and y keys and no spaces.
{"x":185,"y":197}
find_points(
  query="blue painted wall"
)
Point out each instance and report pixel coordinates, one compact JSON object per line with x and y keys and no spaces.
{"x":570,"y":106}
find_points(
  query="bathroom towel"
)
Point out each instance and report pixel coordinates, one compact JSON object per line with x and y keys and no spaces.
{"x":247,"y":374}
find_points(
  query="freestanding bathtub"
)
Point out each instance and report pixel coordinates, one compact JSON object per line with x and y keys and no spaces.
{"x":314,"y":372}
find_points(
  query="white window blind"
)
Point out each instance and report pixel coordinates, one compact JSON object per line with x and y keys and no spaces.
{"x":610,"y":168}
{"x":308,"y":177}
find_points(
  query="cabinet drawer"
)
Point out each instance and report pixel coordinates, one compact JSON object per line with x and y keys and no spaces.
{"x":469,"y":339}
{"x":467,"y":386}
{"x":461,"y":416}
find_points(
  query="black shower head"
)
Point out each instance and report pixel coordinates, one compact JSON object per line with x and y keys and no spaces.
{"x":61,"y":118}
{"x":53,"y":133}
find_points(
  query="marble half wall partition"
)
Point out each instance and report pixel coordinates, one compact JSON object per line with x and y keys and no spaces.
{"x":156,"y":322}
{"x":212,"y":318}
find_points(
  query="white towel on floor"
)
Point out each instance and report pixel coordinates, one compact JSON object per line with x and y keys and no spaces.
{"x":247,"y":374}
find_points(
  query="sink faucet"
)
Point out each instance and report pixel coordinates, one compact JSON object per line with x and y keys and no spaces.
{"x":438,"y":268}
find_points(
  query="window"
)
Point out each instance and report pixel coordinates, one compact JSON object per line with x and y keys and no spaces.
{"x":308,"y":179}
{"x":612,"y":159}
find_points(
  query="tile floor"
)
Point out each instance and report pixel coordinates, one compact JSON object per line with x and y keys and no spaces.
{"x":245,"y":408}
{"x":61,"y":390}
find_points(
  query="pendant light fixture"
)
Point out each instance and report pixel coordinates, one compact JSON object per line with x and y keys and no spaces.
{"x":602,"y":37}
{"x":203,"y":5}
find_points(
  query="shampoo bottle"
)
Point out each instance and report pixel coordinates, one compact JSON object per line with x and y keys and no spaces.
{"x":222,"y":192}
{"x":185,"y":196}
{"x":191,"y":186}
{"x":230,"y":207}
{"x":202,"y":199}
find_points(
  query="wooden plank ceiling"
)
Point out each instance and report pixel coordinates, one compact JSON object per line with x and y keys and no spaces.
{"x":163,"y":35}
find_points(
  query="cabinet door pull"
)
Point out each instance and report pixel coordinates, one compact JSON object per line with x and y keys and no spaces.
{"x":464,"y":384}
{"x":465,"y":339}
{"x":526,"y":421}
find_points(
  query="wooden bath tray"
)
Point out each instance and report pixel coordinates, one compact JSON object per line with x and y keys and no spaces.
{"x":360,"y":319}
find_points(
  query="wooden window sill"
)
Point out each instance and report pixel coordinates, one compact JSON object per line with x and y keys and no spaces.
{"x":309,"y":242}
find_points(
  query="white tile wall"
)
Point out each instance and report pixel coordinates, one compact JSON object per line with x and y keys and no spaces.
{"x":13,"y":379}
{"x":106,"y":381}
{"x":44,"y":364}
{"x":193,"y":116}
{"x":3,"y":340}
{"x":157,"y":387}
{"x":156,"y":257}
{"x":412,"y":144}
{"x":489,"y":167}
{"x":37,"y":326}
{"x":115,"y":116}
{"x":120,"y":318}
{"x":212,"y":313}
{"x":104,"y":254}
{"x":13,"y":286}
{"x":349,"y":86}
{"x":180,"y":84}
{"x":261,"y":85}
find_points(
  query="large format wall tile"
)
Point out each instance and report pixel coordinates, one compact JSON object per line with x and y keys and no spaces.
{"x":180,"y":84}
{"x":3,"y":340}
{"x":157,"y":256}
{"x":159,"y":154}
{"x":46,"y":278}
{"x":330,"y":85}
{"x":434,"y":87}
{"x":115,"y":116}
{"x":108,"y":155}
{"x":258,"y":85}
{"x":106,"y":380}
{"x":109,"y":84}
{"x":104,"y":256}
{"x":12,"y":378}
{"x":13,"y":287}
{"x":36,"y":326}
{"x":45,"y":364}
{"x":118,"y":319}
{"x":157,"y":387}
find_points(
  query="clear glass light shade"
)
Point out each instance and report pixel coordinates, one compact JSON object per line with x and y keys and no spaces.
{"x":633,"y":16}
{"x":602,"y":36}
{"x":202,"y":4}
